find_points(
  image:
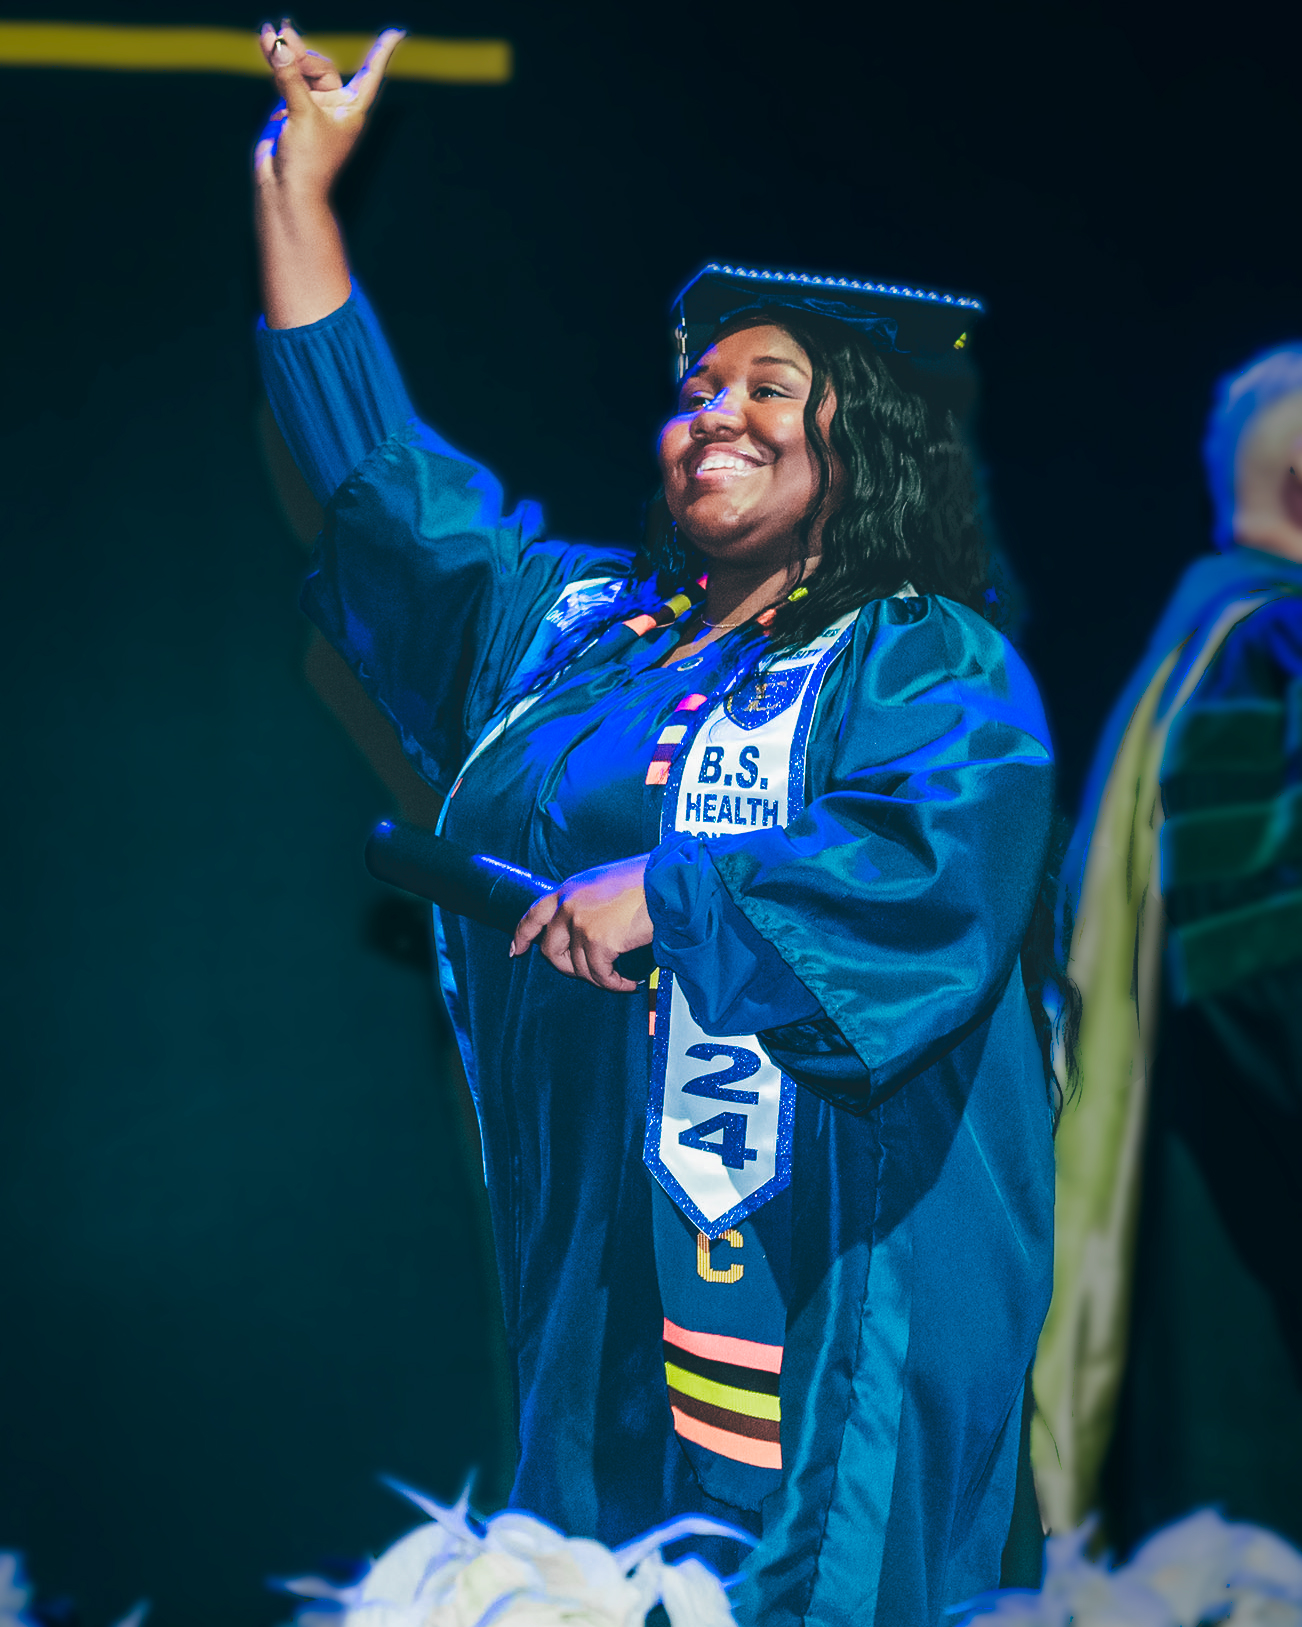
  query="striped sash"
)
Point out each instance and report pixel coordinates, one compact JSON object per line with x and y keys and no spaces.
{"x":724,"y":1394}
{"x":719,"y":1112}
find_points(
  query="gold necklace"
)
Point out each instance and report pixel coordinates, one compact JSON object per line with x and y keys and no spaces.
{"x":730,"y":626}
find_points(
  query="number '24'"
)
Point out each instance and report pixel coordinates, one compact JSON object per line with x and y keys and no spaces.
{"x":729,"y":1127}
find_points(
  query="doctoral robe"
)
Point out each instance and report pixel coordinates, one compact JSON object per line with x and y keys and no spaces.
{"x":1170,"y":1369}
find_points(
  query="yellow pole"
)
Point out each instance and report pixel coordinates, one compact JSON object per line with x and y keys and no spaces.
{"x":130,"y":49}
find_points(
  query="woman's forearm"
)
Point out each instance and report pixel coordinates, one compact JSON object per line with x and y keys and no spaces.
{"x":304,"y":265}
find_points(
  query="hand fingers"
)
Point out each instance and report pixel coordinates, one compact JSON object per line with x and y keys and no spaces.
{"x":599,"y":968}
{"x":365,"y":83}
{"x":545,"y":926}
{"x":579,"y":961}
{"x":533,"y":922}
{"x":557,"y":949}
{"x":320,"y":72}
{"x":568,"y":949}
{"x":283,"y":57}
{"x":557,"y":946}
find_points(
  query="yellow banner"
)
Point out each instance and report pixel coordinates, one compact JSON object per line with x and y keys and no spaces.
{"x":127,"y":48}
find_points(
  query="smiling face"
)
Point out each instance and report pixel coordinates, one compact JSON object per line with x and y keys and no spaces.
{"x":739,"y":473}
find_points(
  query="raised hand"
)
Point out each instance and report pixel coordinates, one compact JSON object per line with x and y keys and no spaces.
{"x":305,"y":144}
{"x":310,"y":134}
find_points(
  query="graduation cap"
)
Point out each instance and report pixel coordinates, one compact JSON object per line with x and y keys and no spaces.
{"x":923,"y":334}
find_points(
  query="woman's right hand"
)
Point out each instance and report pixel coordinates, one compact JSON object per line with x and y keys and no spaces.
{"x":309,"y":136}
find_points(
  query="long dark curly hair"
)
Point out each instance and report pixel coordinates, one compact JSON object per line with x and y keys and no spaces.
{"x":907,"y":512}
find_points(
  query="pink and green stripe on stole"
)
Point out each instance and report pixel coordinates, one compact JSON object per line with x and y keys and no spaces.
{"x":723,"y":1393}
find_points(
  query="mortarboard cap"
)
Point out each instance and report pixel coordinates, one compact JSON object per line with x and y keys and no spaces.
{"x":924,"y":333}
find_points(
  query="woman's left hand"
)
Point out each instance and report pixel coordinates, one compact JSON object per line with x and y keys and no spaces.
{"x":589,"y":921}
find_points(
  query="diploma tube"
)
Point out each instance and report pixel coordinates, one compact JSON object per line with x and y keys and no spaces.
{"x":476,"y":885}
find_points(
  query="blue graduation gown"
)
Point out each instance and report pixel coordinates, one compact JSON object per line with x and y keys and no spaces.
{"x":875,"y":942}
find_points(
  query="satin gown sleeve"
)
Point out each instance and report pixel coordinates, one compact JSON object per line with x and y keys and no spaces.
{"x":900,"y":896}
{"x":424,"y":581}
{"x":335,"y":390}
{"x":1231,"y":840}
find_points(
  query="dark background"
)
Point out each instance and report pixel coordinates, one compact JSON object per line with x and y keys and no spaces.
{"x":242,"y":1266}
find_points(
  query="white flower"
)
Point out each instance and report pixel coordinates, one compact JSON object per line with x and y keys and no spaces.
{"x":1075,"y":1590}
{"x":15,"y":1596}
{"x":691,"y":1593}
{"x":517,"y":1571}
{"x":14,"y":1592}
{"x":1205,"y":1567}
{"x":1260,"y":1610}
{"x":1202,"y":1569}
{"x":1266,"y":1561}
{"x":1189,"y":1565}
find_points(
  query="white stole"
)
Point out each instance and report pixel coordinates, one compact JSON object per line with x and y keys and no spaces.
{"x":719,"y":1114}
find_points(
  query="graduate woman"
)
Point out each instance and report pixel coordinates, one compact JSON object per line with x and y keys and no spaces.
{"x":784,"y":1258}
